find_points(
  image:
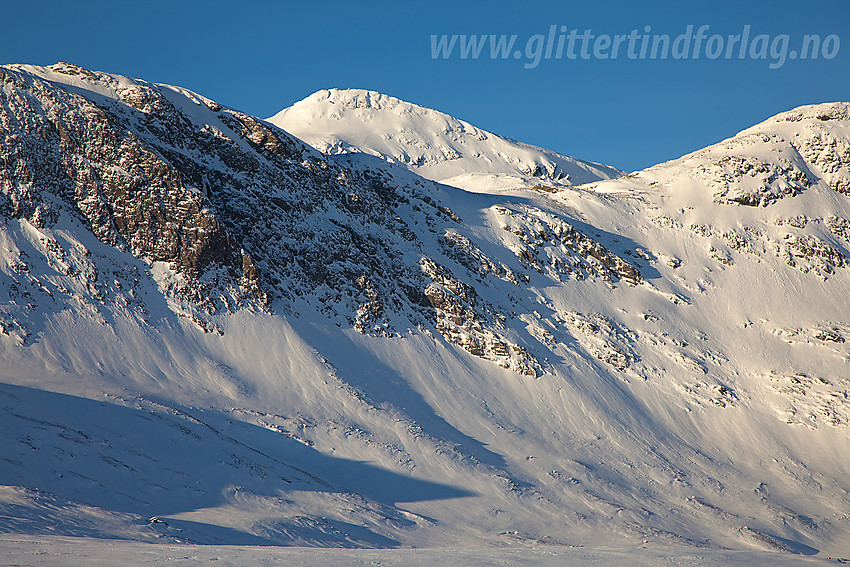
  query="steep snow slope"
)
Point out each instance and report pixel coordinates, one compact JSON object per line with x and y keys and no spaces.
{"x":434,"y":145}
{"x":365,"y":358}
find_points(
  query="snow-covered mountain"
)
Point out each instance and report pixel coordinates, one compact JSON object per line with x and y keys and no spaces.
{"x":211,"y":332}
{"x":430,"y":143}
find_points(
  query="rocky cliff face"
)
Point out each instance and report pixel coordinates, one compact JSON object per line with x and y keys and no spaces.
{"x":109,"y":163}
{"x":244,"y":213}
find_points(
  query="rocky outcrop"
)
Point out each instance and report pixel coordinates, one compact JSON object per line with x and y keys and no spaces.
{"x":61,"y":150}
{"x":243,"y":212}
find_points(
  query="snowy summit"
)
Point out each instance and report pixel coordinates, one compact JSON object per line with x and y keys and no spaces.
{"x":434,"y":145}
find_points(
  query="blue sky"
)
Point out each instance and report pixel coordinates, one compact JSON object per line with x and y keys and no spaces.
{"x":262,"y":56}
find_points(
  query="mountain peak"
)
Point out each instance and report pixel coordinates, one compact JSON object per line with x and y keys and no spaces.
{"x":435,"y":145}
{"x":823,"y":111}
{"x":361,"y":99}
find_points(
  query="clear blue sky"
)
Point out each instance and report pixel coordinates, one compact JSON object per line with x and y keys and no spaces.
{"x":262,"y":56}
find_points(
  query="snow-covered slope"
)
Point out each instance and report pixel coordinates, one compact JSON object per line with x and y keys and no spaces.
{"x":434,"y":145}
{"x":212,"y":333}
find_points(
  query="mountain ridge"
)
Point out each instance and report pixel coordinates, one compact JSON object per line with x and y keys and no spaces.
{"x":399,"y":363}
{"x":431,"y":143}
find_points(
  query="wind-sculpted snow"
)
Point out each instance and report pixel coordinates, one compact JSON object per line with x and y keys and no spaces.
{"x":210,"y":332}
